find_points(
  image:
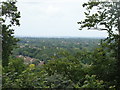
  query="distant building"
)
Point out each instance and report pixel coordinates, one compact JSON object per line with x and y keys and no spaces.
{"x":41,"y":63}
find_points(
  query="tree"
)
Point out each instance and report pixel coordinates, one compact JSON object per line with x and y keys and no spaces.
{"x":92,"y":82}
{"x":10,"y":73}
{"x":106,"y":17}
{"x":10,"y":17}
{"x":67,"y":65}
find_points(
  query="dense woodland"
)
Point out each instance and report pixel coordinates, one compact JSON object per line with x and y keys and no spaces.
{"x":60,"y":63}
{"x":44,"y":48}
{"x":63,"y":62}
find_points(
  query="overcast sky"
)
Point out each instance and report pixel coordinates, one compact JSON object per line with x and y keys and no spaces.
{"x":52,"y":18}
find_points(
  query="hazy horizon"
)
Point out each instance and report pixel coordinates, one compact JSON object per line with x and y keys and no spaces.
{"x":57,"y":37}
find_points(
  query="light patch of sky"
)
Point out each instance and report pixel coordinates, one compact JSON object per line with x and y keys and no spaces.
{"x":53,"y":18}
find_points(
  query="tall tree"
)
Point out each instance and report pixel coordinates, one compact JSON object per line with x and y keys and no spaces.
{"x":106,"y":17}
{"x":10,"y":17}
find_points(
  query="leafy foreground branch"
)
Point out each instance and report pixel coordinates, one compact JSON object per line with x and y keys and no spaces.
{"x":106,"y":17}
{"x":10,"y":17}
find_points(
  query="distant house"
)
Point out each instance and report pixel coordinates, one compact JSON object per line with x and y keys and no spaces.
{"x":41,"y":63}
{"x":27,"y":60}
